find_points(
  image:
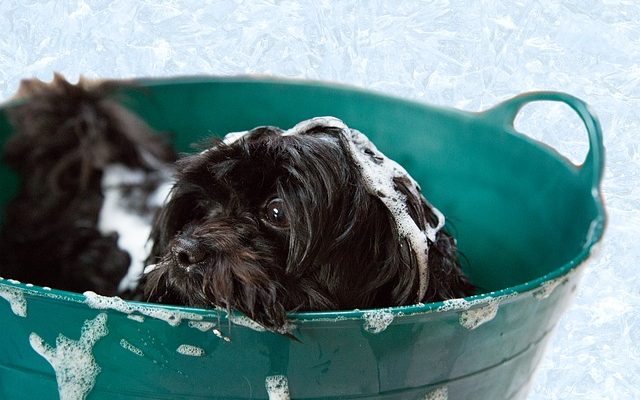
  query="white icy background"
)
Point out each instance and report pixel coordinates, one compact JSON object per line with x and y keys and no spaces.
{"x":465,"y":54}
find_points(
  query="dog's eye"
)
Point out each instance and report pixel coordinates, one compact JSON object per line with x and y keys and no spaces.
{"x":275,"y":212}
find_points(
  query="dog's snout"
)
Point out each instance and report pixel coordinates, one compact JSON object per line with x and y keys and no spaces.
{"x":187,"y":251}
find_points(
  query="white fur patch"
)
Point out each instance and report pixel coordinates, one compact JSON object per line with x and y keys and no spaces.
{"x":133,"y":228}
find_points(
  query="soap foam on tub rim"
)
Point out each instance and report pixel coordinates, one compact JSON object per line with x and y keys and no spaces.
{"x":377,"y":321}
{"x":171,"y":317}
{"x":16,"y":299}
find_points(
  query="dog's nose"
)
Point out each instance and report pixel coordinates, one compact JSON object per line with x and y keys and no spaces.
{"x":187,"y":251}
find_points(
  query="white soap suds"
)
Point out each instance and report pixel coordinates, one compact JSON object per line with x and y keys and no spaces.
{"x":220,"y":335}
{"x":438,"y":394}
{"x":454,"y":304}
{"x":287,"y":328}
{"x":379,"y":172}
{"x":131,"y":348}
{"x":277,"y":387}
{"x":136,"y":317}
{"x":243,"y":320}
{"x":548,"y":287}
{"x":377,"y":321}
{"x":171,"y":317}
{"x":202,"y":326}
{"x":188,"y":350}
{"x":16,"y":300}
{"x":473,"y":318}
{"x":120,"y":186}
{"x":73,"y":362}
{"x":474,"y":313}
{"x":246,"y":322}
{"x":15,"y":282}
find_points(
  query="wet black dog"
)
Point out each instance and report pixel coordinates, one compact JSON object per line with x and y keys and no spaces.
{"x":313,"y":218}
{"x":265,"y":222}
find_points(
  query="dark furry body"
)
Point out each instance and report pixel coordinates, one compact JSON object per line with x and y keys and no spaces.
{"x":213,"y":244}
{"x":66,"y":135}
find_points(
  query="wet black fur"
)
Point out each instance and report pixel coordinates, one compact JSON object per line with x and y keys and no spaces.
{"x":65,"y":136}
{"x":340,"y":251}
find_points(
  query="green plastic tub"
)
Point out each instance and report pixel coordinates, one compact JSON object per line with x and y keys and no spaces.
{"x":525,"y":218}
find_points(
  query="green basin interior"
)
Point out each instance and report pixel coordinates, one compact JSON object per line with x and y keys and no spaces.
{"x":525,"y":219}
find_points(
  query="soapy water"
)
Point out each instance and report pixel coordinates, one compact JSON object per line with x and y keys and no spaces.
{"x":377,"y":321}
{"x":202,"y":326}
{"x":135,"y":317}
{"x":474,"y":313}
{"x":220,"y":335}
{"x":137,"y":312}
{"x":548,"y":287}
{"x":16,"y":299}
{"x":128,"y":346}
{"x":438,"y":394}
{"x":277,"y":387}
{"x":471,"y":319}
{"x":189,"y":350}
{"x":171,"y":317}
{"x":72,"y":360}
{"x":246,"y":322}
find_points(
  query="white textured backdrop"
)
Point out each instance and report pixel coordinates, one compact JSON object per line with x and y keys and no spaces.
{"x":465,"y":54}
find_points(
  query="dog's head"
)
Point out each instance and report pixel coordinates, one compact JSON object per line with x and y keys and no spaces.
{"x":67,"y":134}
{"x":273,"y":221}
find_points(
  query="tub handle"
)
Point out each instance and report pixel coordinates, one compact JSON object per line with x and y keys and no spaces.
{"x":593,"y":166}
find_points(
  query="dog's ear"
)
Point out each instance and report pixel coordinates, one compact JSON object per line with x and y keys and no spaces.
{"x":446,"y":280}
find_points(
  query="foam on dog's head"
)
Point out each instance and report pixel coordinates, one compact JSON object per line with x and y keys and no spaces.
{"x":379,"y":173}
